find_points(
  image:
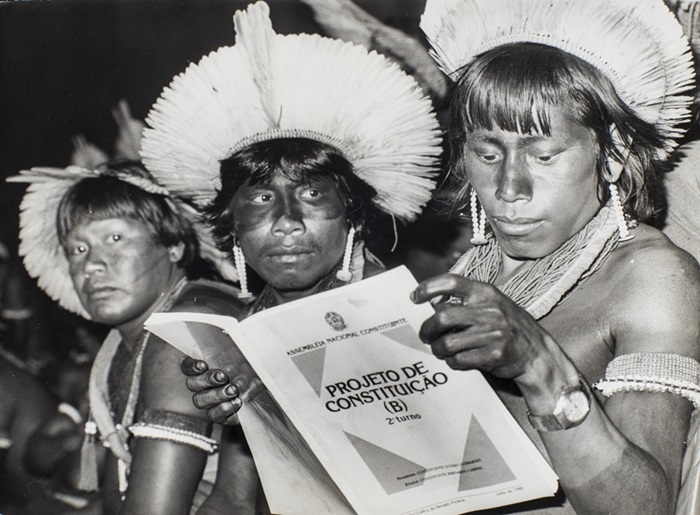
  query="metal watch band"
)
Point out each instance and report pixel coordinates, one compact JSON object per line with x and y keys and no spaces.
{"x":557,"y":421}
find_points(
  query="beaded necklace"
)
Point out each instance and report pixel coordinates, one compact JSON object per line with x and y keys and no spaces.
{"x":552,"y":278}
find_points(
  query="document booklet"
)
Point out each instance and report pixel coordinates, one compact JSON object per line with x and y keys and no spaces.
{"x":359,"y":416}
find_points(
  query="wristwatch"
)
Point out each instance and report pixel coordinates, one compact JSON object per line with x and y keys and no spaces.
{"x":571,"y":409}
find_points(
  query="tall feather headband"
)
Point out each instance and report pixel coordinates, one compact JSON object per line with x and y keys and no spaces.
{"x":638,"y":44}
{"x":41,"y":249}
{"x":270,"y":86}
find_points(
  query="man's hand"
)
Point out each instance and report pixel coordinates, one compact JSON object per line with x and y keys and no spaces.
{"x":482,"y":329}
{"x":212,"y":391}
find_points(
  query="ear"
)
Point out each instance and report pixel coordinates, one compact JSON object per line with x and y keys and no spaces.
{"x":615,"y":169}
{"x":175,"y":252}
{"x":615,"y":166}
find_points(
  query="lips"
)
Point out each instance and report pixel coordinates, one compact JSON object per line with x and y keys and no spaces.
{"x":516,"y":226}
{"x":289,"y":254}
{"x":99,"y":292}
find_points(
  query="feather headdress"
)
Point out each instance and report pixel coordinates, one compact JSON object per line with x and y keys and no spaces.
{"x":42,"y":253}
{"x":270,"y":86}
{"x":638,"y":45}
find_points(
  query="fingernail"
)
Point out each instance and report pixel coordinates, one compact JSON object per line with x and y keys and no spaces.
{"x":219,"y":376}
{"x":200,"y":366}
{"x":230,"y":390}
{"x":413,"y":296}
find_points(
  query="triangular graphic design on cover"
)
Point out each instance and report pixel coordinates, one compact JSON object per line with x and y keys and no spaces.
{"x":310,"y":364}
{"x":406,"y":335}
{"x":489,"y":467}
{"x":388,"y":468}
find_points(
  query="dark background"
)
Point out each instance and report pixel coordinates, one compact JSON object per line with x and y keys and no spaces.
{"x":65,"y":64}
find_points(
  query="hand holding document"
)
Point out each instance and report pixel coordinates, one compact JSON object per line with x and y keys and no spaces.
{"x":363,"y":412}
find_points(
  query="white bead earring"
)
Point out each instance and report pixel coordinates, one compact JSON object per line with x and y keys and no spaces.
{"x":478,"y":216}
{"x":344,"y":274}
{"x":619,"y":213}
{"x":239,"y":262}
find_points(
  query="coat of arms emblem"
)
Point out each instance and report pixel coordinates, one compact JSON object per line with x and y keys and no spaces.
{"x":335,"y":321}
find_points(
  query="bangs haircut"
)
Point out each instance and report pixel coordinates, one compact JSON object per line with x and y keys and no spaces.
{"x":107,"y":196}
{"x":514,"y":86}
{"x":297,"y":159}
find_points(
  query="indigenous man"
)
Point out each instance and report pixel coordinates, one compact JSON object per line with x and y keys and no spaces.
{"x":293,"y":145}
{"x":114,"y":246}
{"x":586,"y":323}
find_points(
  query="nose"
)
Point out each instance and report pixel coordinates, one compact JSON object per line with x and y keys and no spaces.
{"x":514,"y":182}
{"x":288,"y":218}
{"x":94,"y":263}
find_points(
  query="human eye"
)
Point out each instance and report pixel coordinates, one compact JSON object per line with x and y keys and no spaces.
{"x":489,"y":157}
{"x":261,"y":198}
{"x":487,"y":154}
{"x":310,"y":193}
{"x":76,"y":249}
{"x":113,"y":238}
{"x":544,"y":153}
{"x":545,"y":158}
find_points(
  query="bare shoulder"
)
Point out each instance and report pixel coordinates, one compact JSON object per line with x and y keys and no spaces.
{"x":655,"y":298}
{"x":651,"y":260}
{"x":209,"y":297}
{"x":163,"y":384}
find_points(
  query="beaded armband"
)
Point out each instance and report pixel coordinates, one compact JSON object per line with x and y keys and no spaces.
{"x":653,"y":372}
{"x":175,"y":435}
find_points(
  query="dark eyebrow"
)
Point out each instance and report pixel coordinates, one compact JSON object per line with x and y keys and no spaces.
{"x":256,"y":186}
{"x":533,"y":138}
{"x":527,"y":139}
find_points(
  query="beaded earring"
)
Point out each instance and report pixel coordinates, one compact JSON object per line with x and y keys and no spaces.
{"x":619,"y":213}
{"x":239,"y":262}
{"x":478,"y":216}
{"x":344,"y":274}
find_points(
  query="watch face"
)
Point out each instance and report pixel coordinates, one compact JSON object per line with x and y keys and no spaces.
{"x":577,"y":406}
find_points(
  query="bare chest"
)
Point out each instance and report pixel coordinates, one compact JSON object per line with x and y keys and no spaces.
{"x":581,"y":327}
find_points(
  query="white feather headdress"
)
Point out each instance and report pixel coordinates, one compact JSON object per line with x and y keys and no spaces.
{"x":638,"y":45}
{"x":270,"y":86}
{"x":40,"y":247}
